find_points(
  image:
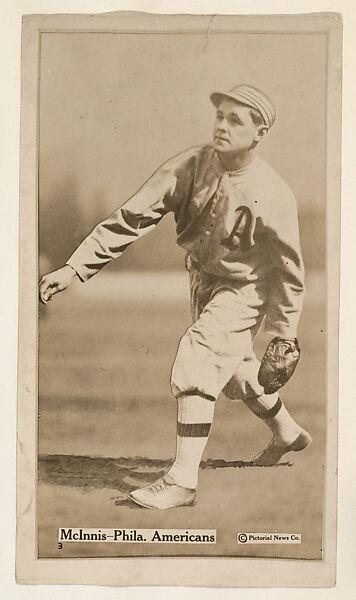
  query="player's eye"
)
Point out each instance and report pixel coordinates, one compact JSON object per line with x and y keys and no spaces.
{"x":235,"y":120}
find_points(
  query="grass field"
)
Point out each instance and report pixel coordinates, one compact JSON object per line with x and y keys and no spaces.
{"x":107,"y":425}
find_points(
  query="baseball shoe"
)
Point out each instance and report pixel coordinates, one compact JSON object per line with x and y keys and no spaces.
{"x":276,"y":449}
{"x":163,"y":494}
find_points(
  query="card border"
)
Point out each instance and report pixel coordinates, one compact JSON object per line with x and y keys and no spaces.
{"x":242,"y":572}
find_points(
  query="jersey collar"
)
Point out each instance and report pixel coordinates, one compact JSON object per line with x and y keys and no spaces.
{"x":220,"y":170}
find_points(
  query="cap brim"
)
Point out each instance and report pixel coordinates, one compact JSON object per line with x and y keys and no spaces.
{"x":218,"y":97}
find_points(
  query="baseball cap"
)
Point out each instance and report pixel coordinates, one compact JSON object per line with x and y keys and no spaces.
{"x":250,"y":96}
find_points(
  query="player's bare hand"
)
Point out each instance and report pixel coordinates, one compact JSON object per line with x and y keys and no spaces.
{"x":54,"y":282}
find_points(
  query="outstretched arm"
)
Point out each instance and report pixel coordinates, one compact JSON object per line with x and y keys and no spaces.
{"x":137,"y":217}
{"x":162,"y":193}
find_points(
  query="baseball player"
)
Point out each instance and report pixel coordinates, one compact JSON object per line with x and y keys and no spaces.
{"x":237,"y":220}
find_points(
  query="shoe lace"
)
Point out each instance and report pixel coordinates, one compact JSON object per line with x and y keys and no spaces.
{"x":157,"y":486}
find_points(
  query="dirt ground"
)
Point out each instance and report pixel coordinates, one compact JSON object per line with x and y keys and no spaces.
{"x":107,"y":425}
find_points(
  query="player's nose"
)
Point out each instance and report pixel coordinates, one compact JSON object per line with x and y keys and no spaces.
{"x":221,"y":127}
{"x":221,"y":132}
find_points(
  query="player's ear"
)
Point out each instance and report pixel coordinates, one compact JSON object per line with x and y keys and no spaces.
{"x":261,"y":132}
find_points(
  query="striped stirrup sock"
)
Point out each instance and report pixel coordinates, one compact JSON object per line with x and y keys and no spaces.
{"x":195,"y":416}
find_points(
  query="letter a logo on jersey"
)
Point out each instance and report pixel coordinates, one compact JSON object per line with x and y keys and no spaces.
{"x":241,"y":235}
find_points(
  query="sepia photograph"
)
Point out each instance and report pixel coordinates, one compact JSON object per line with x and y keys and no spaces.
{"x":185,"y":260}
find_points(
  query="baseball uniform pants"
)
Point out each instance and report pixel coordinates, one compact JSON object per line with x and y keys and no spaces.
{"x":216,"y":352}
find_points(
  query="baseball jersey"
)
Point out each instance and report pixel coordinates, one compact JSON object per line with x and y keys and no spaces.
{"x":236,"y":225}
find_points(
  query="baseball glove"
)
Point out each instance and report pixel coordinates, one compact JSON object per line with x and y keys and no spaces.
{"x":278,"y":364}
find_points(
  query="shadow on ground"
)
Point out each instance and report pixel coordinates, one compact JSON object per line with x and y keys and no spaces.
{"x":120,"y":474}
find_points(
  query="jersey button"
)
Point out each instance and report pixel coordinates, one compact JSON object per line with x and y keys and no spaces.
{"x":207,"y":233}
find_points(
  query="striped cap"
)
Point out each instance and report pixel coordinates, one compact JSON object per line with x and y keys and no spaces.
{"x":250,"y":96}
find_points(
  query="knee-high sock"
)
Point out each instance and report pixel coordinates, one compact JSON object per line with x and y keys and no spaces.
{"x":272,"y":411}
{"x":195,"y":416}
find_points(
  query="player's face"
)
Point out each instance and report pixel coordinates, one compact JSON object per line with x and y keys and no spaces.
{"x":234,"y":130}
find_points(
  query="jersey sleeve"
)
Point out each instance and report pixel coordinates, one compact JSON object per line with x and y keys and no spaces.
{"x":134,"y":219}
{"x":286,"y":277}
